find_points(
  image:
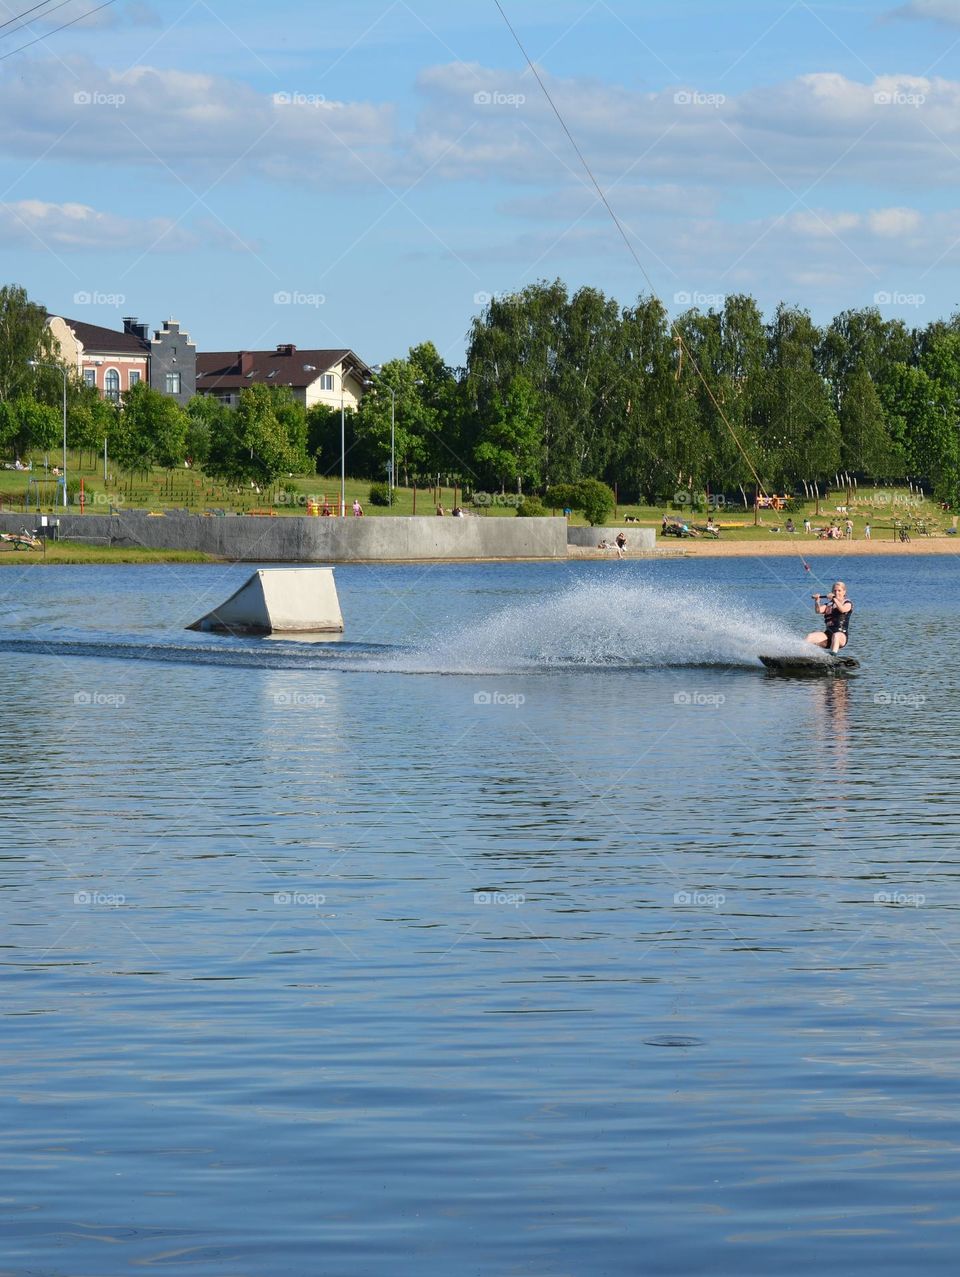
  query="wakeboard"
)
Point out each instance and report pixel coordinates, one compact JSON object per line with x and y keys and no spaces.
{"x":810,"y":666}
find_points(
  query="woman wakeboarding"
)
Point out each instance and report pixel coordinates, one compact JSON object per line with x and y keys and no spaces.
{"x":836,"y":619}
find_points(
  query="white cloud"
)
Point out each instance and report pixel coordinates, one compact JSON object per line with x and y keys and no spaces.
{"x":196,"y":126}
{"x":816,"y":128}
{"x":947,"y":11}
{"x":65,"y":228}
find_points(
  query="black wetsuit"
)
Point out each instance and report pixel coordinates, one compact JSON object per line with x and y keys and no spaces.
{"x":835,"y":621}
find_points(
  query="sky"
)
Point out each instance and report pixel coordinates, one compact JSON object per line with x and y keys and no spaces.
{"x":368,"y":174}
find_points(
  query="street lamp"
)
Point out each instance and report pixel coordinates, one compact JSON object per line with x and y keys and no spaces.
{"x":378,"y":368}
{"x":343,"y":453}
{"x":60,"y":368}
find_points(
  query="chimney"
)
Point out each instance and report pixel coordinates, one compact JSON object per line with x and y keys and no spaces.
{"x":245,"y":361}
{"x":286,"y":350}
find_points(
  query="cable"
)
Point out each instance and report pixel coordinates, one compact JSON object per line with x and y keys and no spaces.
{"x":678,"y":335}
{"x":72,"y":23}
{"x":18,"y":16}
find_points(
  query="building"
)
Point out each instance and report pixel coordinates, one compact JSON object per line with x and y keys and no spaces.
{"x":110,"y":360}
{"x":314,"y":376}
{"x":114,"y":361}
{"x":173,"y":363}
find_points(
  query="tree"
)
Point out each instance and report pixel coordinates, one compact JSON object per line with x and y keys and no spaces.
{"x":801,"y":433}
{"x":30,"y":426}
{"x":258,"y":448}
{"x":866,"y":446}
{"x":510,"y":444}
{"x":596,"y":501}
{"x":24,"y":335}
{"x":152,"y":430}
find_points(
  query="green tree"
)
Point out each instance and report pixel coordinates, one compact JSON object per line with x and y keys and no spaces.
{"x":866,"y":446}
{"x":510,"y":445}
{"x":152,"y":430}
{"x":24,"y":335}
{"x":258,"y":448}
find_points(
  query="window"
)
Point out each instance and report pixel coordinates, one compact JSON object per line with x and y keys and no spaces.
{"x":326,"y":381}
{"x":89,"y":376}
{"x":134,"y":377}
{"x":171,"y":383}
{"x":111,"y":385}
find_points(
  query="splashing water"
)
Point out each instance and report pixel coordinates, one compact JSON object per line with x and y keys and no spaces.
{"x":590,"y":626}
{"x":607,"y":626}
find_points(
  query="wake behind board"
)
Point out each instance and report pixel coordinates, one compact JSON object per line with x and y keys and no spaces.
{"x":810,"y":666}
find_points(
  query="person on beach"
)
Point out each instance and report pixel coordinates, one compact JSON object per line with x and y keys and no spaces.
{"x":848,"y":527}
{"x":790,"y":527}
{"x":357,"y":510}
{"x":621,"y":541}
{"x":866,"y":532}
{"x":806,"y":527}
{"x":836,"y":619}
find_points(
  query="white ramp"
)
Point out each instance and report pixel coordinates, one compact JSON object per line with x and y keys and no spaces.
{"x":279,"y":601}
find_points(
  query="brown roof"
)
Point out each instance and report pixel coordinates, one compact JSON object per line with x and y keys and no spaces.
{"x":285,"y":366}
{"x":105,"y":341}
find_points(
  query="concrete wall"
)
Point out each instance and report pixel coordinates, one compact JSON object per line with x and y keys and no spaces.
{"x":637,"y":538}
{"x":317,"y":540}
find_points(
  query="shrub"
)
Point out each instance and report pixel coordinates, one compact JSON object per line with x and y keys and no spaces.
{"x":596,"y":501}
{"x":379,"y":494}
{"x":530,"y":508}
{"x":562,"y":496}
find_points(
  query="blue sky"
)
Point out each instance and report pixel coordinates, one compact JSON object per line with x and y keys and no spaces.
{"x":364,"y":175}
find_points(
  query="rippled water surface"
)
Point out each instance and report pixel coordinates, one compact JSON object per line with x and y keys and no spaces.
{"x":531,"y":928}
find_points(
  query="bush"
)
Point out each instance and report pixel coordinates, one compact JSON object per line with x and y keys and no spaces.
{"x":562,"y":496}
{"x":379,"y":494}
{"x":73,"y":491}
{"x":596,"y":501}
{"x":530,"y":508}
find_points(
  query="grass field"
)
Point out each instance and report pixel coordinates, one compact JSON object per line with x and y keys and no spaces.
{"x":78,"y":552}
{"x":163,"y":490}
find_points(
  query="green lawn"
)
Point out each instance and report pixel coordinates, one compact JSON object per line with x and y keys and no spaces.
{"x":188,"y":489}
{"x":78,"y":552}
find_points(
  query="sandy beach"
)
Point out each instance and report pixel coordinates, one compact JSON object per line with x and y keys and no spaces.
{"x":808,"y":548}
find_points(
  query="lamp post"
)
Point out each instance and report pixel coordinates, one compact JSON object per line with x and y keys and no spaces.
{"x":378,"y":368}
{"x":343,"y":454}
{"x":60,"y":368}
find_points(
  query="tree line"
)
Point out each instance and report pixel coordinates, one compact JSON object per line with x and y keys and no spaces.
{"x":558,"y":388}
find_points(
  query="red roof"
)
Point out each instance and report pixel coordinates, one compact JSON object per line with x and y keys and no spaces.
{"x":284,"y":366}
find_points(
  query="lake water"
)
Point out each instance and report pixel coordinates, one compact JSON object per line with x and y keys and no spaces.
{"x":531,"y":929}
